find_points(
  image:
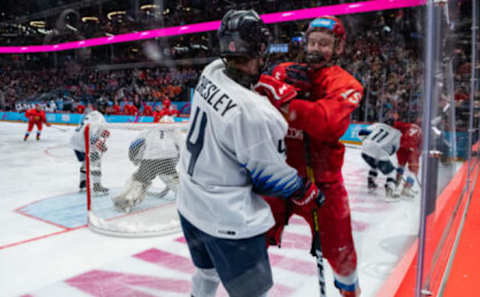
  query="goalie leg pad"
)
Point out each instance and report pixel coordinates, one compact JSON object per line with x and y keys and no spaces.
{"x":134,"y":194}
{"x":96,"y":176}
{"x":95,"y":156}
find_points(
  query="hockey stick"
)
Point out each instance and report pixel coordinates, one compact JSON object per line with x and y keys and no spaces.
{"x":316,"y":246}
{"x":160,"y":194}
{"x":58,"y":128}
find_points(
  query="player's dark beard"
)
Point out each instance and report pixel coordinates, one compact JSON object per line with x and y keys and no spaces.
{"x":315,"y":58}
{"x":242,"y":78}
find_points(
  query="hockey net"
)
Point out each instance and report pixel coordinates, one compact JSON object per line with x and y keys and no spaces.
{"x":114,"y":164}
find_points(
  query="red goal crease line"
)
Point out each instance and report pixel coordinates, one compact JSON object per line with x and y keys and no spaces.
{"x":269,"y":18}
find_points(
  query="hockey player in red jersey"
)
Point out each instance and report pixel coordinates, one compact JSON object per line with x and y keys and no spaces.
{"x":36,"y":116}
{"x":164,"y":112}
{"x":147,"y":110}
{"x":324,"y":116}
{"x":408,"y":155}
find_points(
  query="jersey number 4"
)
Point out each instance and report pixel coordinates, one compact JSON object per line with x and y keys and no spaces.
{"x":196,"y":147}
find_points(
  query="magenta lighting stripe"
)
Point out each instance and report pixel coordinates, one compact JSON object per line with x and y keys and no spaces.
{"x":270,"y":18}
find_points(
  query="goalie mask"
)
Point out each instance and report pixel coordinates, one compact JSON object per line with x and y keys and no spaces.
{"x":243,"y":34}
{"x":334,"y":27}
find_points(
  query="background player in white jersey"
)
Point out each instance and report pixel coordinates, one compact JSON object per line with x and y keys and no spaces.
{"x":98,"y":138}
{"x":380,"y":141}
{"x":156,"y":153}
{"x":234,"y":152}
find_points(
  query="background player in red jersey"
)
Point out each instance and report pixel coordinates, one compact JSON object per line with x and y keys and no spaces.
{"x":35,"y":116}
{"x":324,"y":117}
{"x":165,"y":113}
{"x":147,"y":110}
{"x":407,"y":155}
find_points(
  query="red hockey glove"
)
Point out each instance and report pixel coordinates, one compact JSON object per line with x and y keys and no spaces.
{"x":294,"y":74}
{"x":309,"y":198}
{"x":48,"y":124}
{"x":278,"y":92}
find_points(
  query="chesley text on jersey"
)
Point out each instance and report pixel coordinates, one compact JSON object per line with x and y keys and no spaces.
{"x":212,"y":95}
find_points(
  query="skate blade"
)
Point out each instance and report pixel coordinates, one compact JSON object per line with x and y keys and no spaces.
{"x":100,"y":194}
{"x":391,"y":199}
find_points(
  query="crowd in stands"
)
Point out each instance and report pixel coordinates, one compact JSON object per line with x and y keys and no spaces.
{"x":76,"y":22}
{"x":70,"y":91}
{"x":384,"y":52}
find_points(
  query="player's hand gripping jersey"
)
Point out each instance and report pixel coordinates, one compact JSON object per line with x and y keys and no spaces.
{"x":334,"y":96}
{"x":381,"y":141}
{"x":214,"y":194}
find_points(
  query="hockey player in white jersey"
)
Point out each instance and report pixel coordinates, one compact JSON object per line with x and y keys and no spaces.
{"x":156,"y":153}
{"x":98,"y":138}
{"x":380,"y":141}
{"x":234,"y":152}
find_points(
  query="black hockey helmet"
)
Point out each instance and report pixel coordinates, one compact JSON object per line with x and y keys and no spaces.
{"x":243,"y":33}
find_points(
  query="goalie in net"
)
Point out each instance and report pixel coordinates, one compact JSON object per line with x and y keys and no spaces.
{"x":156,"y":153}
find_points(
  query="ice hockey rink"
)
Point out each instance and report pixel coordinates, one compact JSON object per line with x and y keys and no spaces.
{"x":41,"y":255}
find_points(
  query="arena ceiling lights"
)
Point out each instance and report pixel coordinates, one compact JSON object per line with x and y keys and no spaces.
{"x":270,"y":18}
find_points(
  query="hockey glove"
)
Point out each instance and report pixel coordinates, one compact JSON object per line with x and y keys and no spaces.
{"x":105,"y":134}
{"x":101,"y":146}
{"x":278,"y":92}
{"x":294,"y":74}
{"x":309,"y":197}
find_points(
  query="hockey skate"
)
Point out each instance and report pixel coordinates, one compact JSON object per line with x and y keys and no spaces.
{"x":397,"y":192}
{"x":407,"y":193}
{"x":346,"y":293}
{"x":99,"y":190}
{"x":355,"y":293}
{"x":389,"y":194}
{"x":25,"y":138}
{"x":38,"y":137}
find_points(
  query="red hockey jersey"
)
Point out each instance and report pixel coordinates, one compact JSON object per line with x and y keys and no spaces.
{"x":325,"y":118}
{"x":35,"y":116}
{"x":411,"y":135}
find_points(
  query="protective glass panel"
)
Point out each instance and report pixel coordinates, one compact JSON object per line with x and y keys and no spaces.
{"x":448,"y":164}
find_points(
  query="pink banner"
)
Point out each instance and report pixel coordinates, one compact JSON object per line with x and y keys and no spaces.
{"x":288,"y":16}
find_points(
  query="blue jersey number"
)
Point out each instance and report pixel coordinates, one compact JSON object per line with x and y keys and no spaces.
{"x":196,"y":147}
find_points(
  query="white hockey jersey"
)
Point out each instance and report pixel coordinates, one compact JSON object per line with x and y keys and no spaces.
{"x":382,"y":141}
{"x":97,"y":123}
{"x":157,"y":143}
{"x":234,"y":151}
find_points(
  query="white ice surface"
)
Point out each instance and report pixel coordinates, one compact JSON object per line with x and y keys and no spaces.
{"x":37,"y":257}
